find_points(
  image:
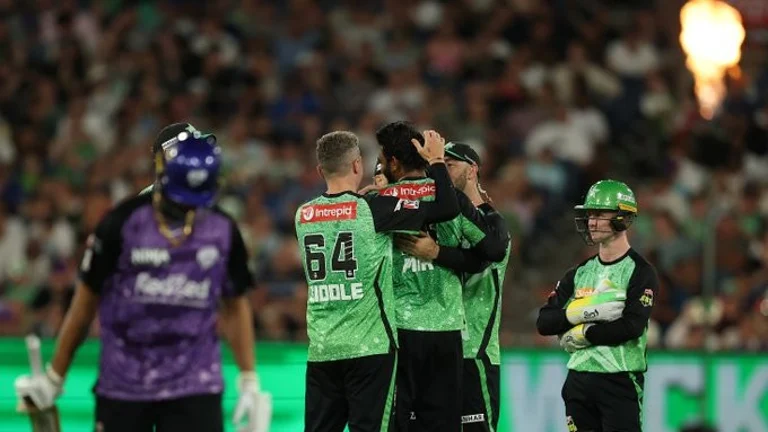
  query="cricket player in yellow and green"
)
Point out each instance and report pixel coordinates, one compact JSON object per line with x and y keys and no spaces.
{"x":601,"y":309}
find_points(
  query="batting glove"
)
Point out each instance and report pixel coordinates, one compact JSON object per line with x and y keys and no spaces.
{"x":253,"y":412}
{"x":39,"y":391}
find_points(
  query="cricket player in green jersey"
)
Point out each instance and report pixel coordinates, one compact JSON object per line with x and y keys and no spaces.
{"x":346,"y":249}
{"x":601,"y":310}
{"x":483,"y":281}
{"x":430,"y":313}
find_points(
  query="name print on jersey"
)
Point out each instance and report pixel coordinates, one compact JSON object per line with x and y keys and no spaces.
{"x":415,"y":265}
{"x":335,"y":292}
{"x":328,"y":212}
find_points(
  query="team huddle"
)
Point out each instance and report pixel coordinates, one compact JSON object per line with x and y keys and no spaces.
{"x":395,"y":276}
{"x":405,"y":284}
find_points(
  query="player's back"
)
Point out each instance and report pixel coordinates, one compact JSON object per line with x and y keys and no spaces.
{"x":158,"y":303}
{"x":428,"y":297}
{"x":348,"y":266}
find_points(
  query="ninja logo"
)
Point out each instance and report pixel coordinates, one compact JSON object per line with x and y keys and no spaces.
{"x":150,"y":256}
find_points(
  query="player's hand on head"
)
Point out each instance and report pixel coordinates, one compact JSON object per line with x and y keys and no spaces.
{"x":421,"y":246}
{"x":380,"y":180}
{"x":433,"y":149}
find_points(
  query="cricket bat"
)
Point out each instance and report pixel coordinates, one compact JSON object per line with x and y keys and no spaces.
{"x":46,"y":420}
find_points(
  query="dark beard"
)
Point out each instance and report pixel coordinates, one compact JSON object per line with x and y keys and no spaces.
{"x":388,"y":174}
{"x":172,"y":211}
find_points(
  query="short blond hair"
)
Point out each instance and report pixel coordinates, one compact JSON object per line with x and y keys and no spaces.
{"x":336,"y":150}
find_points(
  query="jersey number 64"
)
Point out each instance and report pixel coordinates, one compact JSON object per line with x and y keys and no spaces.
{"x":342,"y":258}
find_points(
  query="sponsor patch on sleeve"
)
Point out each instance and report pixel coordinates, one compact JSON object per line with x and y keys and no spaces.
{"x":407,"y":204}
{"x":647,"y":298}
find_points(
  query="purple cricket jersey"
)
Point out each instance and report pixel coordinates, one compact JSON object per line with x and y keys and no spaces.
{"x":158,"y":303}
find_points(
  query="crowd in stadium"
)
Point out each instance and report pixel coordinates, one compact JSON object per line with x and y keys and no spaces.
{"x":553,"y":95}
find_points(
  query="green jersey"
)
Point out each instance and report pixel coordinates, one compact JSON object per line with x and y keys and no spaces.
{"x":346,"y":250}
{"x":483,"y":282}
{"x":617,"y":346}
{"x":428,"y":296}
{"x":482,"y":306}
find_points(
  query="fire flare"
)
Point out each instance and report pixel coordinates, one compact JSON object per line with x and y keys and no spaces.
{"x":711,"y":36}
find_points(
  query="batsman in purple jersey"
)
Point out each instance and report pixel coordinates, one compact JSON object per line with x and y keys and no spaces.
{"x":158,"y":305}
{"x":161,"y":270}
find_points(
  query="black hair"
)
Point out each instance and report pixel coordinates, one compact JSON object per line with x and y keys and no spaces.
{"x":395,"y":141}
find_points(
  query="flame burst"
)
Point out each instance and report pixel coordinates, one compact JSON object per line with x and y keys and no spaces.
{"x":711,"y":36}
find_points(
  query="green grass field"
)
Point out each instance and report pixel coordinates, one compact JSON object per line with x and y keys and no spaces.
{"x":281,"y":368}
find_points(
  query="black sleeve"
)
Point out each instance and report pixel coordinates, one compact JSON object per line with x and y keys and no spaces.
{"x":102,"y":251}
{"x":395,"y":214}
{"x":493,"y":239}
{"x":239,"y":276}
{"x":552,"y":320}
{"x":474,"y":259}
{"x":460,"y":259}
{"x":642,"y":288}
{"x":446,"y":204}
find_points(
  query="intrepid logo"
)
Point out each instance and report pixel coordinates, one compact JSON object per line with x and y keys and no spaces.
{"x":410,"y":191}
{"x":329,"y":212}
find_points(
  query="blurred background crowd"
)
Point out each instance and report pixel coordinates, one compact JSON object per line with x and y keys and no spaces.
{"x":553,"y":94}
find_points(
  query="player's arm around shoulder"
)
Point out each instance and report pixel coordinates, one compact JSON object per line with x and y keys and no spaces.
{"x":642,"y":288}
{"x":391,"y":213}
{"x":486,"y":230}
{"x":464,"y":260}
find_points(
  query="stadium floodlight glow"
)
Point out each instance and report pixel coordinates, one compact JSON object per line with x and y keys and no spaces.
{"x":711,"y":36}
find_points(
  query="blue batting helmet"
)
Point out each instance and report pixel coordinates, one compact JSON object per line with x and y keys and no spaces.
{"x":190,"y":174}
